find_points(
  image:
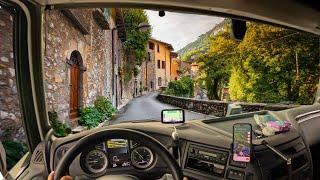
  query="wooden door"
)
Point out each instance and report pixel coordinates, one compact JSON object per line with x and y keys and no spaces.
{"x":74,"y":91}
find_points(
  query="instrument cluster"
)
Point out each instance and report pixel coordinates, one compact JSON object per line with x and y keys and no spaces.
{"x":116,"y":153}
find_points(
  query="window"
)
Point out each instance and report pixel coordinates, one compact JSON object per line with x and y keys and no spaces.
{"x":12,"y":134}
{"x":151,"y":85}
{"x":159,"y":64}
{"x":159,"y":81}
{"x":151,"y":46}
{"x":163,"y":64}
{"x":158,"y":48}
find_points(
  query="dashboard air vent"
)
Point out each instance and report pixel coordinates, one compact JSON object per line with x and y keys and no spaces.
{"x":38,"y":157}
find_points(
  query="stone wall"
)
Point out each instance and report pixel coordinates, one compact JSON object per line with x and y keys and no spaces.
{"x":10,"y":114}
{"x":61,"y":39}
{"x":217,"y":108}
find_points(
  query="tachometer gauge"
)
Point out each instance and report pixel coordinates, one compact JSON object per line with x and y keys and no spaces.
{"x":96,"y":161}
{"x":141,"y":157}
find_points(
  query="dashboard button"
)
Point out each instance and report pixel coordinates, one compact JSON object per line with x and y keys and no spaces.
{"x":235,"y":174}
{"x":249,"y":176}
{"x":238,"y":164}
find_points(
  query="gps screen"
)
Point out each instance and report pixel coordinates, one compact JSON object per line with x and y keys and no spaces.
{"x":172,"y":116}
{"x":118,"y":152}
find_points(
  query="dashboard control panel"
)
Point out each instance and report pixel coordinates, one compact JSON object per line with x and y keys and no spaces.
{"x":209,"y":161}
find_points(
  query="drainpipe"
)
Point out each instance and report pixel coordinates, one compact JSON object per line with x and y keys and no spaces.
{"x":317,"y":98}
{"x":113,"y":63}
{"x":147,"y":85}
{"x":165,"y":69}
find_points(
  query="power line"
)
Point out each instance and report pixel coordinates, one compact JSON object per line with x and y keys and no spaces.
{"x":258,"y":44}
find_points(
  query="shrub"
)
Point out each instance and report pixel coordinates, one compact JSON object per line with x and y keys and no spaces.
{"x":183,"y":87}
{"x":15,"y":150}
{"x":105,"y":108}
{"x":89,"y":117}
{"x":59,"y":129}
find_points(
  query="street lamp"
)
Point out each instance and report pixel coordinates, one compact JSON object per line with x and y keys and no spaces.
{"x":144,"y":27}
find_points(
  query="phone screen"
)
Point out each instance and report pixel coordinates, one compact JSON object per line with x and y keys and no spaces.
{"x":242,"y":141}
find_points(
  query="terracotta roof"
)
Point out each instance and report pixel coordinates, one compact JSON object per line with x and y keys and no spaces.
{"x":173,"y":54}
{"x":167,"y":44}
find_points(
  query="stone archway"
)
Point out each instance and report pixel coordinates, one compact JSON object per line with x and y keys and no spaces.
{"x":76,"y":83}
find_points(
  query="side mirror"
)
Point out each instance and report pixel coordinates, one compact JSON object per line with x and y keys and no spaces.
{"x":234,"y":109}
{"x":172,"y":116}
{"x":238,"y":29}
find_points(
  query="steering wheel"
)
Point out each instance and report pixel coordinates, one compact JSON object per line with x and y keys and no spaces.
{"x":114,"y":133}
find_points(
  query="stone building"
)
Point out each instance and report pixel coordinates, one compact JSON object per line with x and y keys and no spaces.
{"x":10,"y":114}
{"x":82,"y":59}
{"x":157,"y":67}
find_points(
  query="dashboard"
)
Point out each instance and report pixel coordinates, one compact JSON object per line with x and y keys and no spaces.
{"x":204,"y":148}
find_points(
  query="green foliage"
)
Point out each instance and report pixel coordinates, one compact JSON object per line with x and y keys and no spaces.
{"x":134,"y":47}
{"x":90,"y":117}
{"x":59,"y":129}
{"x":104,"y":107}
{"x":270,"y":65}
{"x":102,"y":110}
{"x":15,"y":150}
{"x":183,"y":87}
{"x":275,"y":65}
{"x":136,"y":39}
{"x":216,"y":63}
{"x":136,"y":72}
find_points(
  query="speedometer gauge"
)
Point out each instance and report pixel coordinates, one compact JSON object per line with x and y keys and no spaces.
{"x":141,"y":157}
{"x":96,"y":161}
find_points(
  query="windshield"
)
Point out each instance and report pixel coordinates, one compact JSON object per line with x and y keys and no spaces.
{"x":113,"y":65}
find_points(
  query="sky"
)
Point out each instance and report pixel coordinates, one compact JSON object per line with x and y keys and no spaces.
{"x":180,"y":29}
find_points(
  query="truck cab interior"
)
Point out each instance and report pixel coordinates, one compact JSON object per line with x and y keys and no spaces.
{"x":195,"y":149}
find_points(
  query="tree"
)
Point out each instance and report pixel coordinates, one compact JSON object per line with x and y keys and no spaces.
{"x":275,"y":65}
{"x":271,"y":64}
{"x":136,"y":39}
{"x":135,"y":45}
{"x":216,"y":62}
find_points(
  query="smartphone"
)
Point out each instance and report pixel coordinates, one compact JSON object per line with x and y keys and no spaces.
{"x":242,"y":142}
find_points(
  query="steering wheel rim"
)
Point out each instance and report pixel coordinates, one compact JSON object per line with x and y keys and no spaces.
{"x":122,"y":133}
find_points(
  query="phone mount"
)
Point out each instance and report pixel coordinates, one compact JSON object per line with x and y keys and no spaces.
{"x":273,"y":149}
{"x":281,"y":155}
{"x":174,"y":117}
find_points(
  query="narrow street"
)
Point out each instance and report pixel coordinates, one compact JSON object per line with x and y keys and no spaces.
{"x":147,"y":107}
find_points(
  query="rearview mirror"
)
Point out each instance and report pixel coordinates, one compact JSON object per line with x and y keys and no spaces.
{"x":172,"y":116}
{"x":238,"y":29}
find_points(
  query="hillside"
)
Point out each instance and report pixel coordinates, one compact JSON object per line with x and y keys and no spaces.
{"x":202,"y":42}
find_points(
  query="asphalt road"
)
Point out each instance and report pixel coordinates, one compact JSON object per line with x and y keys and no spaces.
{"x":147,"y":107}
